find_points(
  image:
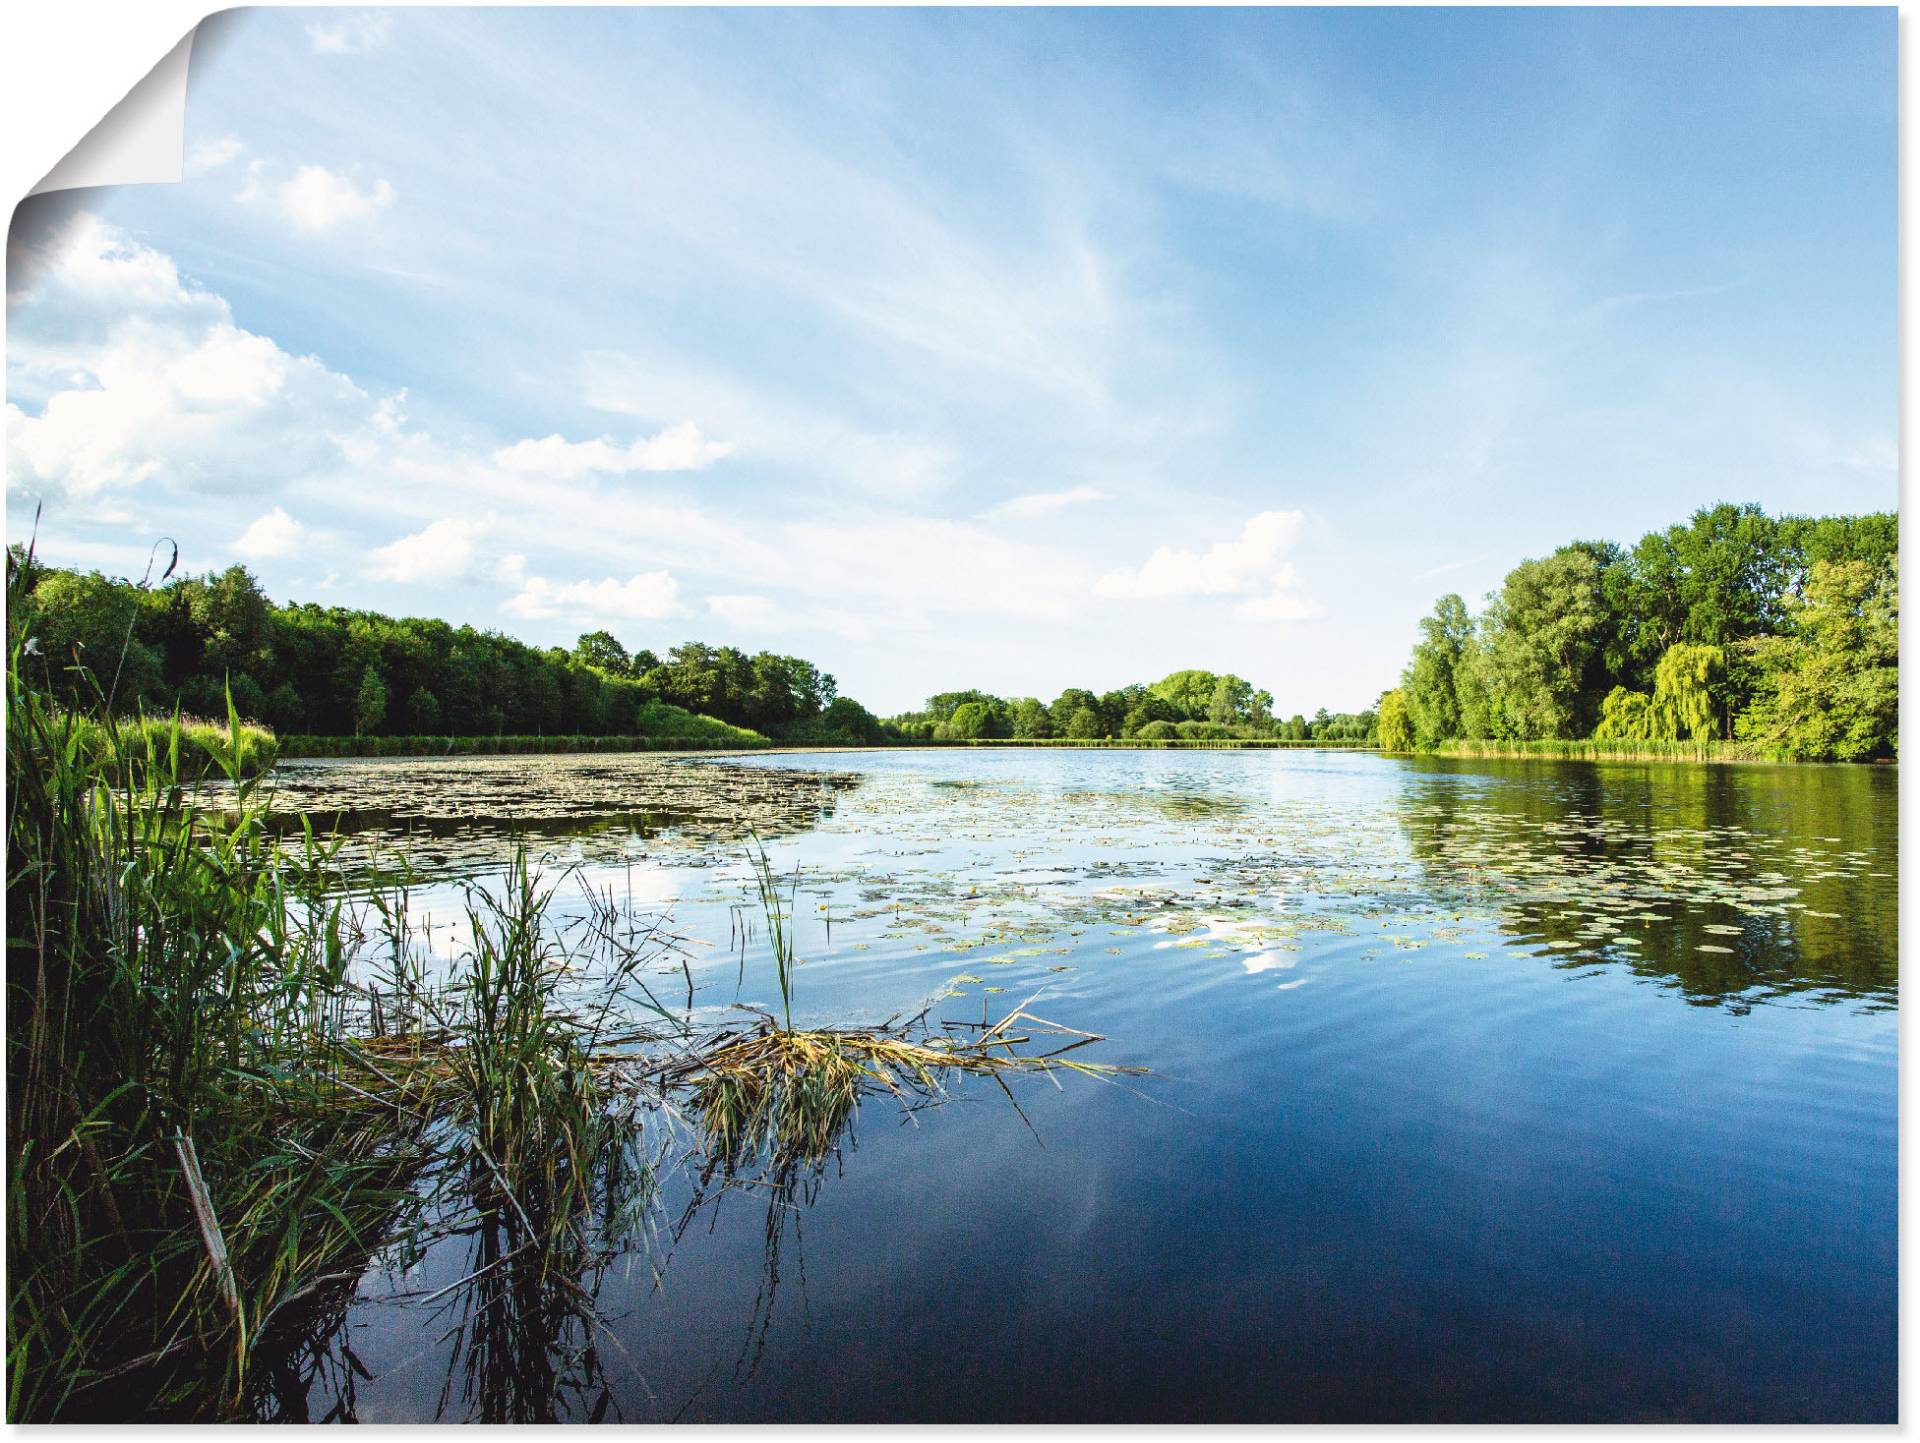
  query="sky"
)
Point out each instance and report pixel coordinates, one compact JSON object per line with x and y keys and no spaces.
{"x":1011,"y":349}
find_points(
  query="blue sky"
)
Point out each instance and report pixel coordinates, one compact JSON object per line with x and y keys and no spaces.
{"x":1012,"y":349}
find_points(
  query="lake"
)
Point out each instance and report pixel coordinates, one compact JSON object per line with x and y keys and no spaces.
{"x":1477,"y":1091}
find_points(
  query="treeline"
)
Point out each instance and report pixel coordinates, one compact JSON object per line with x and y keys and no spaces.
{"x":1780,"y":633}
{"x":336,"y":671}
{"x":1192,"y":704}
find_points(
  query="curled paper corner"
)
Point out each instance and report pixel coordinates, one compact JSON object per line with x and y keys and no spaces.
{"x":141,"y":141}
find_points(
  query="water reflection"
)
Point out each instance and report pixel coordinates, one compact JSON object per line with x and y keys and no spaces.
{"x":1677,"y":873}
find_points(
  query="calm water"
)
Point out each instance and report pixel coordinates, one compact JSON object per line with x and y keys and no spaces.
{"x":1479,"y":1091}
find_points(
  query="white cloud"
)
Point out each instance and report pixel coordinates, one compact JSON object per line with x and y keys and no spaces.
{"x":275,"y":534}
{"x":1283,"y":603}
{"x":677,"y":448}
{"x":1228,"y":568}
{"x":768,"y":422}
{"x":120,"y":372}
{"x":444,"y":551}
{"x":350,"y":34}
{"x":317,"y":199}
{"x":648,"y":596}
{"x":1044,"y":503}
{"x":212,"y":154}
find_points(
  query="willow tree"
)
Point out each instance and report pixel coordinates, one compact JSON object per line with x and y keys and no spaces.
{"x":1684,"y":685}
{"x":1394,"y":722}
{"x":1625,"y":715}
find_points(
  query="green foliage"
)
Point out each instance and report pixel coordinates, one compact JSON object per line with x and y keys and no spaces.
{"x":1030,"y":718}
{"x":1395,"y":722}
{"x":1430,"y":685}
{"x":306,"y":667}
{"x":1085,"y":724}
{"x":1696,"y":632}
{"x":844,"y":723}
{"x":423,"y":712}
{"x":369,"y":702}
{"x":1155,"y":731}
{"x":602,"y":651}
{"x":1683,"y":692}
{"x":1539,"y":634}
{"x":1830,"y":690}
{"x":974,"y":719}
{"x":1625,"y":716}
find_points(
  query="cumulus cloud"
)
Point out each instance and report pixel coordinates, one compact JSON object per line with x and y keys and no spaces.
{"x":1283,"y":603}
{"x":648,"y":596}
{"x":677,"y":448}
{"x":317,"y":199}
{"x":1229,"y":568}
{"x":1044,"y":503}
{"x":349,"y":34}
{"x":275,"y":534}
{"x":444,"y":551}
{"x":120,"y":372}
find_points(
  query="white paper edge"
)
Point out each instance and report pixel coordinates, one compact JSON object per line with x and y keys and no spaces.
{"x":141,"y":141}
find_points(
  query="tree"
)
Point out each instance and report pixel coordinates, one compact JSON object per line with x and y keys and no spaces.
{"x":1830,"y":690}
{"x":82,"y":623}
{"x":1189,"y":692}
{"x":973,"y":719}
{"x":1625,"y":716}
{"x":602,"y":649}
{"x":1030,"y":719}
{"x":1085,"y":725}
{"x":1144,"y":713}
{"x":1541,"y":632}
{"x":1067,"y":703}
{"x":1231,"y":700}
{"x":1262,"y":714}
{"x":1430,"y":684}
{"x":285,"y":710}
{"x":1395,"y":723}
{"x":369,"y":702}
{"x":249,"y":700}
{"x":1683,"y":692}
{"x":843,"y":721}
{"x":423,"y":713}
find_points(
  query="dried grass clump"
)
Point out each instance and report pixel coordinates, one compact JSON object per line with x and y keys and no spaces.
{"x":791,"y":1093}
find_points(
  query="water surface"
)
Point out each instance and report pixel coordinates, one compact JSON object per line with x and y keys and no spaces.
{"x":1480,"y":1090}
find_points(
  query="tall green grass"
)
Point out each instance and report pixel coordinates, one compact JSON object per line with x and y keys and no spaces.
{"x":205,"y":747}
{"x":302,"y":746}
{"x":212,"y":1124}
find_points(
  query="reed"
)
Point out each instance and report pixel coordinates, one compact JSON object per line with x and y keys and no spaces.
{"x":230,"y":1090}
{"x":1604,"y":749}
